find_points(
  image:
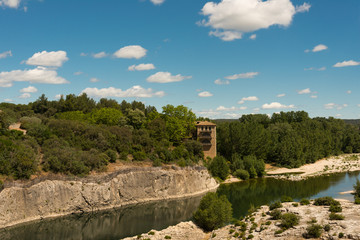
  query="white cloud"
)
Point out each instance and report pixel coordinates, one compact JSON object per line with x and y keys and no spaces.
{"x":358,"y":105}
{"x":348,"y":91}
{"x":78,"y":73}
{"x":29,"y":89}
{"x":304,"y":91}
{"x":157,"y":2}
{"x":242,"y":108}
{"x":48,"y":59}
{"x":251,"y":98}
{"x":83,"y":54}
{"x":242,"y":75}
{"x":276,"y":105}
{"x":132,"y":51}
{"x":303,"y":8}
{"x":37,"y":75}
{"x":315,"y":69}
{"x":226,"y":35}
{"x":232,"y":115}
{"x":222,"y":82}
{"x":135,"y":91}
{"x":25,"y":95}
{"x":281,"y":95}
{"x":10,"y":3}
{"x":235,"y":17}
{"x":208,"y":113}
{"x":334,"y":105}
{"x":222,"y":108}
{"x":94,"y":80}
{"x":320,"y":47}
{"x":8,"y":100}
{"x":313,"y":96}
{"x":141,"y":67}
{"x":58,"y":96}
{"x":100,"y":55}
{"x":166,"y":77}
{"x":253,"y":37}
{"x":205,"y":94}
{"x":5,"y":54}
{"x":347,"y":63}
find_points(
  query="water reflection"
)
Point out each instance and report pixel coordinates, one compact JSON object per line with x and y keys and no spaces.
{"x":112,"y":224}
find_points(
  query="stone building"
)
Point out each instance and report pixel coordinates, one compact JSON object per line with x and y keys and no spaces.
{"x":206,"y":134}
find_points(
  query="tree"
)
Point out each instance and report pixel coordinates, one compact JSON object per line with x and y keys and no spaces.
{"x":219,"y":167}
{"x":213,"y":212}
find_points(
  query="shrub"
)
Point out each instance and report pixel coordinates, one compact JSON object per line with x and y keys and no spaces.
{"x":341,"y":235}
{"x":151,"y":233}
{"x":276,"y":214}
{"x":157,"y":162}
{"x":289,"y":220}
{"x":219,"y":167}
{"x":213,"y":212}
{"x":357,"y":189}
{"x":326,"y":201}
{"x":357,"y":200}
{"x":334,"y":216}
{"x":313,"y":231}
{"x":304,"y":201}
{"x":242,"y":174}
{"x":327,"y":228}
{"x":335,"y":208}
{"x":139,"y":156}
{"x":112,"y":155}
{"x":275,"y":205}
{"x":167,"y":237}
{"x":286,"y":199}
{"x":295,"y":204}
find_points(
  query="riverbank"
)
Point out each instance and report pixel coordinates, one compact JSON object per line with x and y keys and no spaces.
{"x":54,"y":198}
{"x":336,"y":164}
{"x":260,"y":225}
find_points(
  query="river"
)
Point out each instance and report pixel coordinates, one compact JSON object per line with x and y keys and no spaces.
{"x":137,"y":219}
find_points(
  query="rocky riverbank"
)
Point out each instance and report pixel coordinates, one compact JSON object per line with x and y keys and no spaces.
{"x":52,"y":198}
{"x":260,"y":225}
{"x":343,"y":163}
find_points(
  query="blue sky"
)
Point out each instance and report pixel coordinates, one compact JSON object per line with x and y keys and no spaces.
{"x":222,"y":59}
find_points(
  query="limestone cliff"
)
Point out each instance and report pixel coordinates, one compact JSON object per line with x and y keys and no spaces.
{"x":52,"y":198}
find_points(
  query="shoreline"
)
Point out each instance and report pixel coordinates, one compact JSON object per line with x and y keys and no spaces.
{"x":330,"y":165}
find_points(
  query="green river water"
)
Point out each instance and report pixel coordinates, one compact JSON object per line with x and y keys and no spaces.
{"x":137,"y":219}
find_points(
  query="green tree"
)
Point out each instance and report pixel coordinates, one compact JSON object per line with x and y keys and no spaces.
{"x":213,"y":212}
{"x":219,"y":167}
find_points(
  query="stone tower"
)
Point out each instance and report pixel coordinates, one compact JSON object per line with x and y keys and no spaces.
{"x":206,"y":134}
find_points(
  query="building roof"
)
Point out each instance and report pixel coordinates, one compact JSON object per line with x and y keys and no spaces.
{"x":205,"y":123}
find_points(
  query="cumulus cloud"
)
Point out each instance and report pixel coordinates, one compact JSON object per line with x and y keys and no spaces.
{"x":205,"y":94}
{"x":281,"y":95}
{"x":334,"y":105}
{"x":135,"y":91}
{"x":25,"y":95}
{"x":132,"y":51}
{"x":48,"y":59}
{"x":276,"y":105}
{"x":166,"y":77}
{"x":157,"y":2}
{"x":234,"y":17}
{"x":304,"y":91}
{"x":347,"y":63}
{"x":58,"y":96}
{"x":242,"y":75}
{"x":221,"y":82}
{"x":37,"y":75}
{"x":100,"y":55}
{"x":93,"y":80}
{"x":222,"y":108}
{"x":141,"y":67}
{"x":317,"y":48}
{"x":29,"y":89}
{"x":5,"y":54}
{"x":253,"y":37}
{"x":10,"y":3}
{"x":251,"y":98}
{"x":226,"y":35}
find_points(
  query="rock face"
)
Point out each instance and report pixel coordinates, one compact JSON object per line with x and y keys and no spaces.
{"x":52,"y":198}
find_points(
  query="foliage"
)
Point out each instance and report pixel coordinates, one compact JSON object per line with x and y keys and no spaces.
{"x":325,"y":201}
{"x":327,"y":227}
{"x":242,"y":174}
{"x":275,"y":205}
{"x":334,"y":216}
{"x":286,"y":199}
{"x":313,"y":231}
{"x":335,"y":208}
{"x":357,"y":189}
{"x":213,"y":212}
{"x":289,"y":220}
{"x":219,"y":167}
{"x":304,"y":201}
{"x":275,"y":214}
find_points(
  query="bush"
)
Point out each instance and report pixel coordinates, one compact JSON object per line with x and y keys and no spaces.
{"x":327,"y":228}
{"x":335,"y":208}
{"x":357,"y":189}
{"x":326,"y":201}
{"x":341,"y":235}
{"x":242,"y":174}
{"x":313,"y":231}
{"x":112,"y":155}
{"x":286,"y":199}
{"x":357,"y":200}
{"x":213,"y":212}
{"x":295,"y":204}
{"x":275,"y":205}
{"x":139,"y":156}
{"x":276,"y":214}
{"x":219,"y":167}
{"x":304,"y":201}
{"x":334,"y":216}
{"x":289,"y":220}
